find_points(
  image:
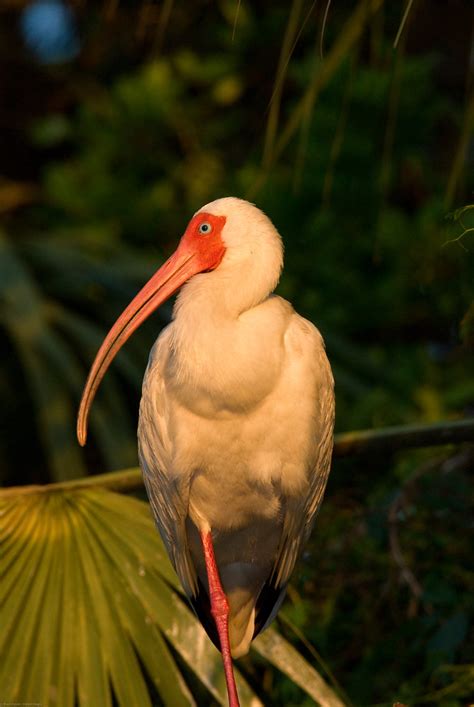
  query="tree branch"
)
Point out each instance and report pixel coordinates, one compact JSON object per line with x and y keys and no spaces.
{"x":394,"y":439}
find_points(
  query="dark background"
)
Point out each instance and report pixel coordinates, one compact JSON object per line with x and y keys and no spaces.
{"x":120,"y":119}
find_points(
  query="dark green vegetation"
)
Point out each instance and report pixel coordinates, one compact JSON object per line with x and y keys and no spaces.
{"x":361,"y":158}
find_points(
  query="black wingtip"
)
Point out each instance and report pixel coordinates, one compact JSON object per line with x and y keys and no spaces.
{"x":269,"y":598}
{"x":202,"y":608}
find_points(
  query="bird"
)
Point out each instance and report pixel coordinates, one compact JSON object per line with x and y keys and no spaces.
{"x":236,"y":421}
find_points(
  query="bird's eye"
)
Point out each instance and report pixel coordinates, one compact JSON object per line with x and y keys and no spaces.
{"x":205,"y":228}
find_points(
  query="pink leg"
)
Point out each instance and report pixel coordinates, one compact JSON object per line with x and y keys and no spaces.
{"x":220,"y":612}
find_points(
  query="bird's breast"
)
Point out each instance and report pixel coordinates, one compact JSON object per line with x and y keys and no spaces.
{"x":241,"y":425}
{"x":221,"y":367}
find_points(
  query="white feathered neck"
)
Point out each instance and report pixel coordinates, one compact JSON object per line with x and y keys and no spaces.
{"x":224,"y":321}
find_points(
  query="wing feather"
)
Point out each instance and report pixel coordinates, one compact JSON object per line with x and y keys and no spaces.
{"x":168,"y":494}
{"x":298,"y":520}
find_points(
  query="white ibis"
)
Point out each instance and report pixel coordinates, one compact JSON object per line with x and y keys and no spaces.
{"x":236,"y":421}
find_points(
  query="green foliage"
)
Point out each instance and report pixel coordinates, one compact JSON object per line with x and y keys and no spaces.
{"x":48,"y":297}
{"x":392,"y":553}
{"x":359,"y":177}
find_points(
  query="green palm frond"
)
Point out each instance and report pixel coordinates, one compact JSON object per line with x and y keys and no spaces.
{"x":92,"y":612}
{"x":23,"y":315}
{"x":41,"y":312}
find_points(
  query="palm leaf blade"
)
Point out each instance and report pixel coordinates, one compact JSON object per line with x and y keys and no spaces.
{"x":148,"y":642}
{"x":45,"y":648}
{"x":23,"y":606}
{"x":93,"y":685}
{"x":124,"y":670}
{"x":280,"y":653}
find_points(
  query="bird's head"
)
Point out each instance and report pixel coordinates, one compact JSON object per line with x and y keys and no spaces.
{"x":229,"y":236}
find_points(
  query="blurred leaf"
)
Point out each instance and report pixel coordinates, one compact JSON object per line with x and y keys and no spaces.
{"x":448,"y":638}
{"x":278,"y":651}
{"x":467,"y":326}
{"x":16,"y":194}
{"x":51,"y":131}
{"x":23,"y":314}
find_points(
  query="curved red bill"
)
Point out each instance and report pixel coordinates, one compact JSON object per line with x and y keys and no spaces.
{"x":194,"y":254}
{"x":168,"y":279}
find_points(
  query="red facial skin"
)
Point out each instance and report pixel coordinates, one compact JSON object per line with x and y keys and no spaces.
{"x":197,"y":252}
{"x":208,"y":248}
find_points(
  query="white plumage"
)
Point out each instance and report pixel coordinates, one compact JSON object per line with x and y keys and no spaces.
{"x":236,"y":417}
{"x":236,"y":420}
